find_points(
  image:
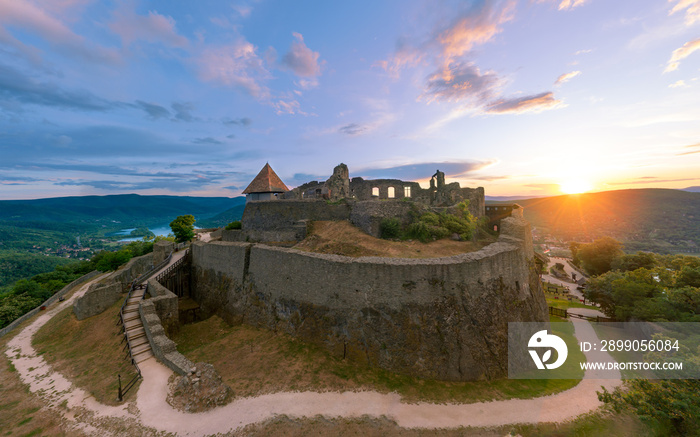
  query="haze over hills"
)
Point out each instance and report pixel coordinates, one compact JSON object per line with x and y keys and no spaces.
{"x":128,"y":209}
{"x":653,"y":219}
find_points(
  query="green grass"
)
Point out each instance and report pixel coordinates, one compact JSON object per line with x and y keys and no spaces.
{"x":565,"y":304}
{"x":88,"y":352}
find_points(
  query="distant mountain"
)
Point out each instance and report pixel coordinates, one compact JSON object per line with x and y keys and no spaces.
{"x":224,"y":218}
{"x":692,"y":189}
{"x":509,"y":198}
{"x":659,"y":220}
{"x":125,"y":209}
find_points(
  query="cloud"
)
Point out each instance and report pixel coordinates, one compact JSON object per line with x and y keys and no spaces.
{"x":565,"y":4}
{"x":21,"y":88}
{"x":302,"y":60}
{"x":30,"y":18}
{"x":183,"y":111}
{"x":154,"y":111}
{"x":651,"y":180}
{"x":535,"y":103}
{"x":478,"y":26}
{"x":458,"y":82}
{"x":418,"y":171}
{"x":244,"y":121}
{"x":237,"y":65}
{"x":678,"y":84}
{"x":289,"y":106}
{"x":692,"y":7}
{"x":566,"y":77}
{"x":695,"y":148}
{"x":153,"y":28}
{"x":207,"y":140}
{"x":475,"y":24}
{"x":352,"y":129}
{"x":570,"y":4}
{"x":681,"y":53}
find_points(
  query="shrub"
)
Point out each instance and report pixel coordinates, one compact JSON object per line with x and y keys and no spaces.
{"x":390,"y":228}
{"x":233,"y":225}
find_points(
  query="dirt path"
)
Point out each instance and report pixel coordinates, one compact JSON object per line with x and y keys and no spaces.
{"x":151,"y":410}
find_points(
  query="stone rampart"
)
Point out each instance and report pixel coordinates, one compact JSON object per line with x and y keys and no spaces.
{"x":283,"y":214}
{"x":368,"y":215}
{"x":96,"y":299}
{"x":164,"y":349}
{"x":132,"y":270}
{"x":165,"y":303}
{"x":443,"y":318}
{"x":161,"y":250}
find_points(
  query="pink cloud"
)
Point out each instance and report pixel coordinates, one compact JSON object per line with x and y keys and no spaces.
{"x":237,"y":65}
{"x":29,"y":17}
{"x":461,"y":82}
{"x":535,"y":103}
{"x":152,"y":28}
{"x":474,"y":29}
{"x":566,"y":77}
{"x":302,"y":60}
{"x":681,"y":53}
{"x":565,"y":4}
{"x":692,"y":7}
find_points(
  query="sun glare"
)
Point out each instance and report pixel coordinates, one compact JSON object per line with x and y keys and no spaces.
{"x":575,"y":186}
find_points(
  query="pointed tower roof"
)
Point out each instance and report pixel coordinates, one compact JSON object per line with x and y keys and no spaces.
{"x":266,"y":181}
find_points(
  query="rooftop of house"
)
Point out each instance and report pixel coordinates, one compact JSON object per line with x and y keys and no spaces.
{"x":266,"y":181}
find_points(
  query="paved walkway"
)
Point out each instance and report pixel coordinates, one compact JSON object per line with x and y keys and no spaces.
{"x":151,"y":409}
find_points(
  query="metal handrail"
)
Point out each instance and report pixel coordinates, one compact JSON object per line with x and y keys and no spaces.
{"x":135,"y":283}
{"x":175,"y":265}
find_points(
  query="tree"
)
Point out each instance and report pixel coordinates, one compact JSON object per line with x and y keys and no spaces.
{"x":574,"y":246}
{"x":183,"y":228}
{"x":597,"y":257}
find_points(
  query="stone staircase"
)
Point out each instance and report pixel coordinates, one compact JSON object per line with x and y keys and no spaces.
{"x":135,"y":333}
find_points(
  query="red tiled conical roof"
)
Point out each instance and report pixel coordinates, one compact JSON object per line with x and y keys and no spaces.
{"x":266,"y":181}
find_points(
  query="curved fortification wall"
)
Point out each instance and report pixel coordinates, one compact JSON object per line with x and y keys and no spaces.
{"x":442,"y":318}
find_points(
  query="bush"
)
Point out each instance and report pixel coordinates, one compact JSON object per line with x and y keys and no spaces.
{"x":390,"y":228}
{"x":233,"y":225}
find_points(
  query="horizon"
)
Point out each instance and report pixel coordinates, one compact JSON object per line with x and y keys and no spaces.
{"x":532,"y":98}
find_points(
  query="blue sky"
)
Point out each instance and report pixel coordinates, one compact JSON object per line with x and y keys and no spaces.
{"x":530,"y":97}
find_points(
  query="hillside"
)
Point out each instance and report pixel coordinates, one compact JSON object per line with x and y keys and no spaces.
{"x":224,"y":218}
{"x":660,"y":220}
{"x":130,"y":209}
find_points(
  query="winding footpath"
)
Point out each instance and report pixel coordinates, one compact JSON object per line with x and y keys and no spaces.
{"x":150,"y":410}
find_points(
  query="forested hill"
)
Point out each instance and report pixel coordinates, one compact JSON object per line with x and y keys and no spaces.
{"x":659,"y":220}
{"x":125,"y":208}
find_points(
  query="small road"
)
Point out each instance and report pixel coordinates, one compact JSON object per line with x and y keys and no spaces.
{"x":151,"y":411}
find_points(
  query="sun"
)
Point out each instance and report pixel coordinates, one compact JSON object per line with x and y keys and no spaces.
{"x":575,"y":186}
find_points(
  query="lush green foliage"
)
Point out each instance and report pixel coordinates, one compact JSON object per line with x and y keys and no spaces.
{"x":15,"y":265}
{"x":183,"y":228}
{"x":597,"y":257}
{"x":234,"y":225}
{"x":433,"y":226}
{"x":667,"y":288}
{"x":650,"y":287}
{"x":390,"y":228}
{"x":27,"y":294}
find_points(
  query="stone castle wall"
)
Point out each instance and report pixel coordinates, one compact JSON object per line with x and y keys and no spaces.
{"x":443,"y":318}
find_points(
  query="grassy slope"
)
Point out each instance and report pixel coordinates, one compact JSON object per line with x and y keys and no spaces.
{"x":342,"y":238}
{"x":88,"y":352}
{"x":257,"y":361}
{"x":644,"y":218}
